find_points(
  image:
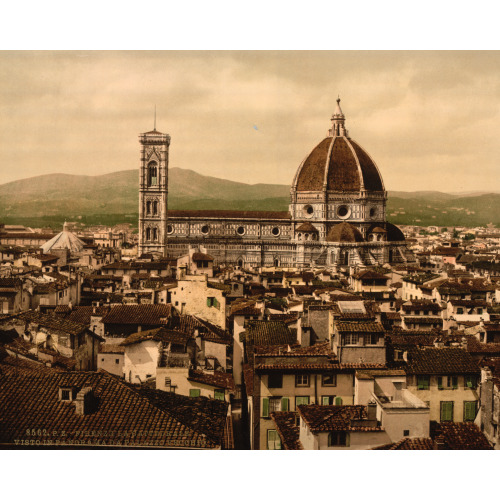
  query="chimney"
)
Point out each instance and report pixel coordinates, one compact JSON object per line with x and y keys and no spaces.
{"x":372,"y":411}
{"x":398,"y":391}
{"x":464,"y":344}
{"x":84,"y":402}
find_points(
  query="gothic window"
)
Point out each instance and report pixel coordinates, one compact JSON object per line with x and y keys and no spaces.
{"x":155,"y":208}
{"x":152,"y":174}
{"x":148,"y":207}
{"x":148,"y":234}
{"x":155,"y":234}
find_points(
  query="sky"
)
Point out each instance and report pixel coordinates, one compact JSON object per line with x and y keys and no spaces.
{"x":429,"y":119}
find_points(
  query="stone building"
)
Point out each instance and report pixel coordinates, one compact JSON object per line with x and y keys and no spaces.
{"x":337,"y":213}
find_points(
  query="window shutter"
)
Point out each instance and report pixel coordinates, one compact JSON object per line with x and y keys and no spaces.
{"x":440,"y":382}
{"x":284,"y":404}
{"x":338,"y":401}
{"x":209,"y":301}
{"x":265,"y":407}
{"x":326,"y":401}
{"x":469,"y":411}
{"x":454,"y":382}
{"x":347,"y":439}
{"x":194,"y":393}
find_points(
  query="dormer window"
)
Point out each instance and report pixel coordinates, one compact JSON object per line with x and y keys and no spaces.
{"x":67,"y":394}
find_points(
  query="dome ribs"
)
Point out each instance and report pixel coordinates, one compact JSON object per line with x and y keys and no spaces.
{"x":371,"y":176}
{"x":342,"y":169}
{"x":312,"y":171}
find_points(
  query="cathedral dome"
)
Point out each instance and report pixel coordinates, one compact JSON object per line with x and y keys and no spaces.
{"x":344,"y":233}
{"x":338,"y":163}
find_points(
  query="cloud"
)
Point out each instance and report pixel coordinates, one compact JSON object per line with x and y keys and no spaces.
{"x":425,"y":117}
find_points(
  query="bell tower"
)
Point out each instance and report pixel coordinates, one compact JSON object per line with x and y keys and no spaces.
{"x":153,"y":192}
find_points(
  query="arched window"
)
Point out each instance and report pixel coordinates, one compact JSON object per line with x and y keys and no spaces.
{"x":155,"y":208}
{"x":153,"y":174}
{"x":148,"y":234}
{"x":155,"y":234}
{"x":148,"y":207}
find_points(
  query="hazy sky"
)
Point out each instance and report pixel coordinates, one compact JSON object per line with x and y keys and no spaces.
{"x":430,"y":120}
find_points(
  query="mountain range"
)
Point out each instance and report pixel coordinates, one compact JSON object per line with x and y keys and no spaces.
{"x":112,"y":198}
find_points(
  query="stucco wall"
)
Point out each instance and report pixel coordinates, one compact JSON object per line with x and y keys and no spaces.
{"x":141,"y":359}
{"x":107,"y":361}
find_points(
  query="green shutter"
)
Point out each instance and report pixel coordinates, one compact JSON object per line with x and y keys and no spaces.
{"x":209,"y":301}
{"x":265,"y":407}
{"x":454,"y":382}
{"x":219,"y":394}
{"x":440,"y":382}
{"x":301,"y":400}
{"x":469,"y":411}
{"x":194,"y":393}
{"x":277,"y":442}
{"x":326,"y":400}
{"x":447,"y":411}
{"x":347,"y":439}
{"x":338,"y":401}
{"x":284,"y":404}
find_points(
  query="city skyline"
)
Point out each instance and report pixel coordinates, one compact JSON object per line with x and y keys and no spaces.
{"x":253,"y":116}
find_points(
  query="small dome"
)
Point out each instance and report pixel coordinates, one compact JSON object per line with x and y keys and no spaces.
{"x":307,"y":227}
{"x":344,"y":233}
{"x":64,"y":240}
{"x":379,"y":230}
{"x":394,"y":233}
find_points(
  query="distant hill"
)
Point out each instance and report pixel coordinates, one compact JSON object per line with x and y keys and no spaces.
{"x":112,"y":198}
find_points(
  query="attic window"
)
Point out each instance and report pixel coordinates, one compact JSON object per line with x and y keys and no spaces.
{"x":67,"y":393}
{"x":204,"y":229}
{"x":275,"y":231}
{"x":241,"y":230}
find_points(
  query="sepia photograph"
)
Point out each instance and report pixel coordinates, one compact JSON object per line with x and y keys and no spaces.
{"x":237,"y":229}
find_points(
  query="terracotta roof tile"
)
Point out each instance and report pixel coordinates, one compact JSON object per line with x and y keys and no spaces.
{"x":268,"y":333}
{"x":437,"y":361}
{"x":121,"y":416}
{"x":288,"y":431}
{"x":216,"y":379}
{"x":142,"y":314}
{"x":463,"y":436}
{"x":321,"y":418}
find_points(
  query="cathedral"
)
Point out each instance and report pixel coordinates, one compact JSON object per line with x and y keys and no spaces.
{"x":337,"y":213}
